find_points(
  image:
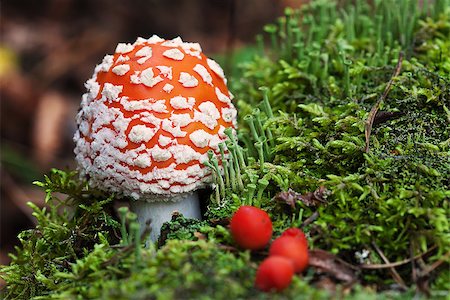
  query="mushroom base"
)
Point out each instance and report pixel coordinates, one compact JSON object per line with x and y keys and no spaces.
{"x":160,"y":212}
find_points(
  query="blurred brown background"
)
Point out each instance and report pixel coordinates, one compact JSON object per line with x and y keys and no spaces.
{"x":49,"y":48}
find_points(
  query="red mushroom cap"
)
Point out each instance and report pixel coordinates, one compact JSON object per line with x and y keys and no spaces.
{"x":152,"y":111}
{"x":274,"y":274}
{"x":251,"y":227}
{"x":292,"y":248}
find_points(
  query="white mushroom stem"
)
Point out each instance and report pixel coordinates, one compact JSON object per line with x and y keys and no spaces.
{"x":159,"y":212}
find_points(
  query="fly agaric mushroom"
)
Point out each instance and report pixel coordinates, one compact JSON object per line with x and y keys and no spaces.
{"x":151,"y":113}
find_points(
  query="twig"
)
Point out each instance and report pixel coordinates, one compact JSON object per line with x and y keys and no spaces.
{"x":374,"y":110}
{"x":435,"y":265}
{"x":394,"y":273}
{"x":413,"y":263}
{"x":311,"y":219}
{"x":395,"y":264}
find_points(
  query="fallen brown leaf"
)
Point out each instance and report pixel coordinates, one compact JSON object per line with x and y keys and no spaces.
{"x":291,"y":197}
{"x":330,"y":264}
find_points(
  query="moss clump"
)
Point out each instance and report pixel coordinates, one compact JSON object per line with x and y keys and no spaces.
{"x":383,"y":191}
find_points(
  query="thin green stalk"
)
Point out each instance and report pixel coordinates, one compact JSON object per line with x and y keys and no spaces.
{"x":224,"y":164}
{"x":259,"y":146}
{"x":260,"y":44}
{"x":232,"y":148}
{"x":135,"y":231}
{"x":123,"y":228}
{"x":215,"y":180}
{"x":232,"y":173}
{"x":251,"y":187}
{"x":240,"y":155}
{"x":272,"y":30}
{"x":131,"y":217}
{"x":262,"y":185}
{"x":261,"y":134}
{"x":346,"y":64}
{"x":288,"y":13}
{"x":237,"y":150}
{"x":325,"y":59}
{"x":266,"y":103}
{"x":282,"y":36}
{"x":215,"y":164}
{"x":315,"y":62}
{"x":298,"y":45}
{"x":308,"y":20}
{"x":251,"y":124}
{"x":249,"y":147}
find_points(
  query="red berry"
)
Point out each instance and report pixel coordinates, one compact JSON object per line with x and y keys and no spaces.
{"x":251,"y":227}
{"x":293,"y":249}
{"x":297,"y":233}
{"x":274,"y":273}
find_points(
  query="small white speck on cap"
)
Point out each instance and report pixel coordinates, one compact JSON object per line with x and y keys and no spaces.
{"x":144,"y":51}
{"x":148,"y":79}
{"x":216,"y":68}
{"x":214,"y":142}
{"x":144,"y":104}
{"x":155,"y":39}
{"x":183,"y":153}
{"x":150,"y":118}
{"x":176,"y":131}
{"x":204,"y":74}
{"x":221,"y":96}
{"x":229,"y":114}
{"x":159,"y":106}
{"x":141,"y":133}
{"x":174,"y":54}
{"x":188,"y":80}
{"x":193,"y":53}
{"x":181,"y":120}
{"x":180,"y":102}
{"x":192,"y":49}
{"x":111,"y":92}
{"x":93,"y":87}
{"x":106,"y":64}
{"x":142,"y":60}
{"x":221,"y":132}
{"x":165,"y":71}
{"x":84,"y":128}
{"x":200,"y":138}
{"x":159,"y":154}
{"x":121,"y":69}
{"x":168,"y":88}
{"x":140,"y":41}
{"x":205,"y":119}
{"x":209,"y":109}
{"x":122,"y":58}
{"x":135,"y":78}
{"x":176,"y":42}
{"x":164,"y":140}
{"x":192,"y":46}
{"x":124,"y":48}
{"x":143,"y":161}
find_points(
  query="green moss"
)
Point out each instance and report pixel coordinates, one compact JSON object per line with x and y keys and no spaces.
{"x":323,"y":70}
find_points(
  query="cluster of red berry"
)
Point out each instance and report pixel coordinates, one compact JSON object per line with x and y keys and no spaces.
{"x":251,"y":229}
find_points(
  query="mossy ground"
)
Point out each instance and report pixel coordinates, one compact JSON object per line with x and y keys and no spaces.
{"x":305,"y":133}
